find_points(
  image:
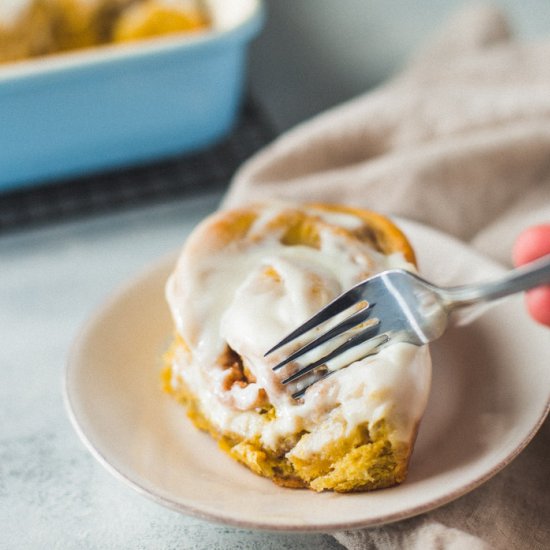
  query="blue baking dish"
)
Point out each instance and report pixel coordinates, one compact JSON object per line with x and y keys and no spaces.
{"x":81,"y":112}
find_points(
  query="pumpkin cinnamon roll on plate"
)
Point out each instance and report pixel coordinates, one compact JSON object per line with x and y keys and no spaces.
{"x":245,"y":279}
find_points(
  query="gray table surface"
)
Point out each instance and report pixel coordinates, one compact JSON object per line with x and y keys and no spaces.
{"x":53,"y":494}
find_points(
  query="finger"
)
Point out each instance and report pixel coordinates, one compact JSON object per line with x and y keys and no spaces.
{"x":531,"y":244}
{"x":538,"y":304}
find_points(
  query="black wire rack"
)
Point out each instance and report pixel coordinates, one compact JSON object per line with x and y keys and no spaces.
{"x":201,"y":172}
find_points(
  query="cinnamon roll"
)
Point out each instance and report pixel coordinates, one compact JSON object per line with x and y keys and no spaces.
{"x":245,"y":279}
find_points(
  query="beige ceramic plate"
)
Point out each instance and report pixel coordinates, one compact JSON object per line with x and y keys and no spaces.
{"x":489,"y":396}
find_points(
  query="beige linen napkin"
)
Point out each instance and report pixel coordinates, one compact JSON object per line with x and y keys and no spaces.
{"x":459,"y":141}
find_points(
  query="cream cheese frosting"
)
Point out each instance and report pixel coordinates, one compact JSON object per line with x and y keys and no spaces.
{"x":247,"y":295}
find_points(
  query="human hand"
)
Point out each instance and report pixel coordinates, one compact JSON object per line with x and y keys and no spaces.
{"x":530,"y":245}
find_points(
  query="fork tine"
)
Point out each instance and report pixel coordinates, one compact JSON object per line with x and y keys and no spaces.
{"x":348,"y":323}
{"x":356,"y":339}
{"x":339,"y":304}
{"x":383,"y":339}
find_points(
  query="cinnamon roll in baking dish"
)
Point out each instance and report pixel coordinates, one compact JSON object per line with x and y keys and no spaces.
{"x":245,"y":279}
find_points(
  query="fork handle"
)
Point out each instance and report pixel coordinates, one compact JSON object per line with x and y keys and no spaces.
{"x":533,"y":274}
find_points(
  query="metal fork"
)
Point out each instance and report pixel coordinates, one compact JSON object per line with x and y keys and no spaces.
{"x":393,"y":306}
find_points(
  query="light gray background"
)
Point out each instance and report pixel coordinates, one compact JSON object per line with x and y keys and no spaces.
{"x":314,"y":54}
